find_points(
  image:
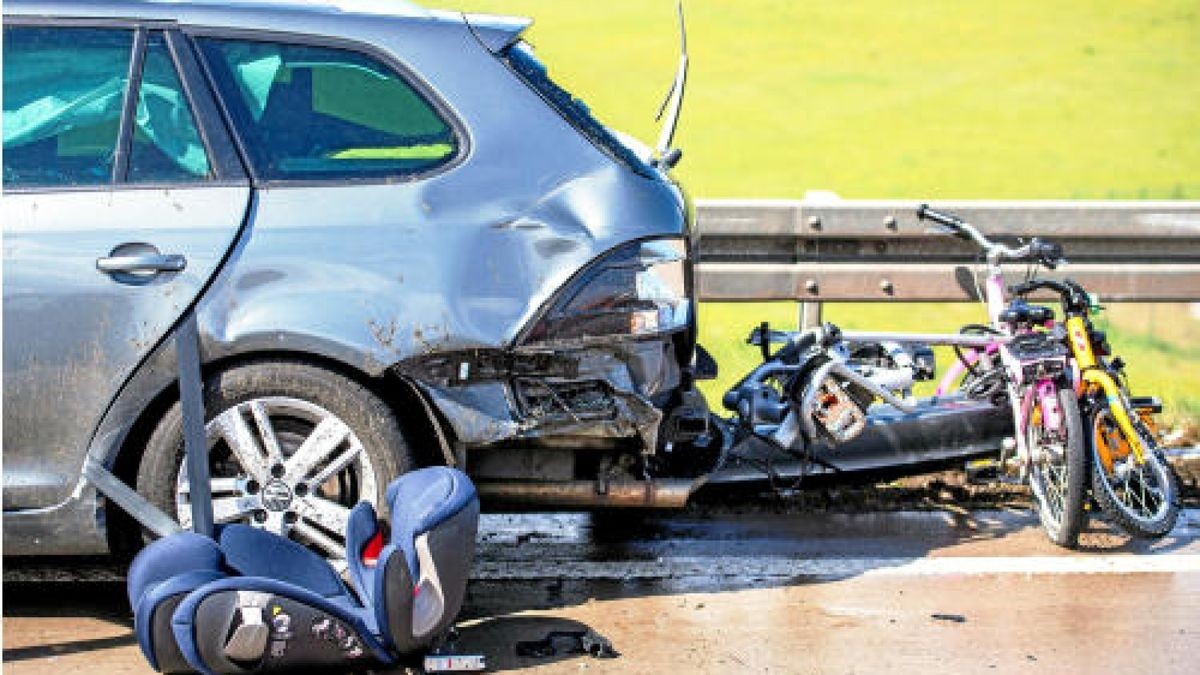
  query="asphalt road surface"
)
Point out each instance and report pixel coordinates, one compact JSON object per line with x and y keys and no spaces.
{"x":754,"y":591}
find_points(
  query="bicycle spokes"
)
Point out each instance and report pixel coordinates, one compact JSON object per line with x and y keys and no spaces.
{"x":1055,"y":485}
{"x":1137,"y":487}
{"x":1057,"y":465}
{"x":1139,"y":496}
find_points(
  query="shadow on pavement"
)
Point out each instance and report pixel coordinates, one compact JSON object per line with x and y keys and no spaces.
{"x":63,"y":603}
{"x":62,"y":648}
{"x":50,"y":599}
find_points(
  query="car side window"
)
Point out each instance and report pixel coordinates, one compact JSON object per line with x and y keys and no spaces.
{"x":166,"y":143}
{"x":309,"y":112}
{"x":64,"y":89}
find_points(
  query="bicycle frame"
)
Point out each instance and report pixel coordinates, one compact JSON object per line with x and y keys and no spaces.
{"x":958,"y":368}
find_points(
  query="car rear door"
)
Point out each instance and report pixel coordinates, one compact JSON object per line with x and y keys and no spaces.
{"x":122,"y":197}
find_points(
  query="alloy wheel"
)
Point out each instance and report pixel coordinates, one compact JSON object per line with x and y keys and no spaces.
{"x":287,"y":466}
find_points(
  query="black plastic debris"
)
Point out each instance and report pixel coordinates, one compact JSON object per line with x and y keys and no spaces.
{"x":568,"y":642}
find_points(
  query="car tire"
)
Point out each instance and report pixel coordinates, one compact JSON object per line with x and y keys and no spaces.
{"x":337,"y":443}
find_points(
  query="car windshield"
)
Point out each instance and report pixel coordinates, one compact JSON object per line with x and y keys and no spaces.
{"x":521,"y":59}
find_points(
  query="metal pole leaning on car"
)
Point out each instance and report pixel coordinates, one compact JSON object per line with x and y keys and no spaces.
{"x":191,"y":400}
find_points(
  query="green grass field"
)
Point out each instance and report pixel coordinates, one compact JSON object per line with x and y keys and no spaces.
{"x":930,"y":99}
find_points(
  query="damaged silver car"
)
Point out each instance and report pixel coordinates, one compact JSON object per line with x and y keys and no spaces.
{"x":401,"y":244}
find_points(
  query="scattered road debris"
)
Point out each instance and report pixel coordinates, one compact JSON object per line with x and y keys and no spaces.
{"x":568,"y":642}
{"x":955,"y":618}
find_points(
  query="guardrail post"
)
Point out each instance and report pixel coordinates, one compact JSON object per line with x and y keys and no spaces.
{"x":809,"y":314}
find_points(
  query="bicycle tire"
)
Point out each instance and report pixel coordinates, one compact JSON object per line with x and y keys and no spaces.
{"x":1060,"y":507}
{"x":1119,"y":508}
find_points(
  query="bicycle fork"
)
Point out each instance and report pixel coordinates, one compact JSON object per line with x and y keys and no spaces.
{"x":1093,"y":377}
{"x":1047,"y":413}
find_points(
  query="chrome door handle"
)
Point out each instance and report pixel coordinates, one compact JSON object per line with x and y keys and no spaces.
{"x":144,"y":262}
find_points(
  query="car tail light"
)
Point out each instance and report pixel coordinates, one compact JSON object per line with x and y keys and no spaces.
{"x":635,"y":290}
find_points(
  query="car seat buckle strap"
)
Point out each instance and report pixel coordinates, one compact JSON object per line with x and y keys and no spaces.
{"x":249,"y":639}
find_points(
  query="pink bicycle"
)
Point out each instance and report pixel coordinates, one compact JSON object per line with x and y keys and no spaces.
{"x":1024,"y":359}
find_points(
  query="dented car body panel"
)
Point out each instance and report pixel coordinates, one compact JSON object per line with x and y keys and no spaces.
{"x":583,"y":393}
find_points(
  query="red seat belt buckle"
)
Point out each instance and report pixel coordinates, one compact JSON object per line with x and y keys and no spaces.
{"x":372,"y":549}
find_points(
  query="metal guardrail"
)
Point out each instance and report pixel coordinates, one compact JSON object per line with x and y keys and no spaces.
{"x":753,"y":250}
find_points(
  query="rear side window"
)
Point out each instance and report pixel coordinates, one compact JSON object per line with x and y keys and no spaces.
{"x":307,"y":112}
{"x":64,"y":89}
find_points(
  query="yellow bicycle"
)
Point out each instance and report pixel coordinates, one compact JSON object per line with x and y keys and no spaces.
{"x":1131,"y":479}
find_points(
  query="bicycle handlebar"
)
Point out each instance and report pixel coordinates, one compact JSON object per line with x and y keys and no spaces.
{"x":1071,"y":294}
{"x":1026,"y":287}
{"x":1047,"y":253}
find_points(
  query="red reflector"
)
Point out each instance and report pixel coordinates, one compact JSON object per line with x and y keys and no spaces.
{"x":370,"y":552}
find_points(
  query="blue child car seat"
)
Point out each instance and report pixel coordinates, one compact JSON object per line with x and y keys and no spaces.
{"x":252,"y":601}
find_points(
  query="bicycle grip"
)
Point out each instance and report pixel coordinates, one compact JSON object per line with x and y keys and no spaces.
{"x":926,"y":213}
{"x":953,"y":223}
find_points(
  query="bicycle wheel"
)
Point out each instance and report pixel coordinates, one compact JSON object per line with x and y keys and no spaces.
{"x":1058,"y":470}
{"x":1142,"y":499}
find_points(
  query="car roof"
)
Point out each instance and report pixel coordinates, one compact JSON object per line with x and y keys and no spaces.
{"x":335,"y":18}
{"x":307,"y":16}
{"x":139,"y":8}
